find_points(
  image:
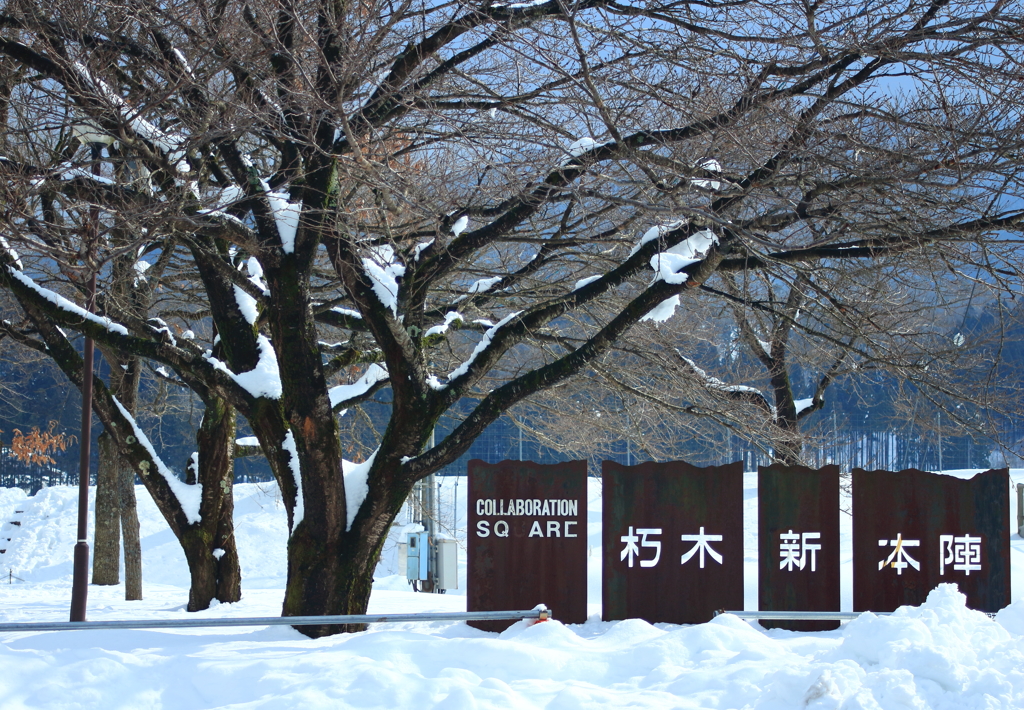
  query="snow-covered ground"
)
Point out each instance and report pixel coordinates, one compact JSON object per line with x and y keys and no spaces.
{"x":940,"y":655}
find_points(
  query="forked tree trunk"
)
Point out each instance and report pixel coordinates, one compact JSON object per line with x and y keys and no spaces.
{"x":333,"y":578}
{"x":116,"y":515}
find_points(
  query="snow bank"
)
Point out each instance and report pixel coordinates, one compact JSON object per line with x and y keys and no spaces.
{"x":940,"y":655}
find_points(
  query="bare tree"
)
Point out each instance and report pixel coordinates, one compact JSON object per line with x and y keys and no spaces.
{"x":445,"y":200}
{"x":759,"y":353}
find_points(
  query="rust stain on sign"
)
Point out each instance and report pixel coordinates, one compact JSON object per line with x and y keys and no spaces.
{"x":914,"y":530}
{"x":527,"y":539}
{"x":798,"y":543}
{"x":672,"y":541}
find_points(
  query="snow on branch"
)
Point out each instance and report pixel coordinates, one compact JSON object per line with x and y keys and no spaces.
{"x":669,"y":264}
{"x":293,"y":463}
{"x":189,"y":497}
{"x":663,"y":311}
{"x":357,"y":486}
{"x":442,"y":328}
{"x":13,"y":254}
{"x":264,"y":380}
{"x":578,"y":147}
{"x":66,"y":305}
{"x":170,"y":144}
{"x":485,"y":341}
{"x":384,"y":270}
{"x":342,"y":393}
{"x":484,"y":285}
{"x":583,"y":282}
{"x":286,"y":216}
{"x":713,"y":383}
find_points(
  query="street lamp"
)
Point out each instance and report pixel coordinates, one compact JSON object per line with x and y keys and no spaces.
{"x":88,"y":134}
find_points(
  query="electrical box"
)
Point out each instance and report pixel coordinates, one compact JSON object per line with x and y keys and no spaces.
{"x":447,"y":564}
{"x":417,"y":565}
{"x":403,"y":557}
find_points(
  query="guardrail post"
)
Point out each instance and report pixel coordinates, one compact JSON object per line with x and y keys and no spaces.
{"x":1020,"y":509}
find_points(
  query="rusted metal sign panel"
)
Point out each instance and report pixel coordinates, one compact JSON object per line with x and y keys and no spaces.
{"x":798,"y":543}
{"x":913,"y":530}
{"x":672,"y":541}
{"x":527,"y":541}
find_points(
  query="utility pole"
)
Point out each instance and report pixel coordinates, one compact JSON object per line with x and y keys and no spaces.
{"x":428,"y":519}
{"x":92,"y":136}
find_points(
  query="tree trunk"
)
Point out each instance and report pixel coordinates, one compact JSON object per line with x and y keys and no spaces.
{"x":332,"y":578}
{"x":106,"y":561}
{"x":130,"y":530}
{"x":209,"y":545}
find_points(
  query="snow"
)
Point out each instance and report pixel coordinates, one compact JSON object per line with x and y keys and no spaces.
{"x":577,"y":147}
{"x":583,"y":282}
{"x":384,"y":270}
{"x":460,"y":226}
{"x":255,"y":269}
{"x":189,"y":497}
{"x":264,"y":380}
{"x":440,"y":329}
{"x":655,"y":233}
{"x":171,"y":144}
{"x":669,"y":264}
{"x":293,"y":463}
{"x":347,"y":312}
{"x":356,"y":485}
{"x":663,"y":311}
{"x":418,"y":249}
{"x":716,"y":384}
{"x":483,"y":285}
{"x":712,"y":166}
{"x":247,"y":305}
{"x":937,"y":656}
{"x":160,"y":326}
{"x":481,"y":346}
{"x":13,"y":254}
{"x":66,"y":305}
{"x":802,"y":404}
{"x":141,"y":267}
{"x":342,"y":393}
{"x":286,"y":215}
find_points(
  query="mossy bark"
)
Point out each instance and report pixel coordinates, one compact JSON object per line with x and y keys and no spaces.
{"x":106,"y":559}
{"x":209,"y":545}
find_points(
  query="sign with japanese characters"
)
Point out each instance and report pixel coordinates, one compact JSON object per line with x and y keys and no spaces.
{"x":527,"y":539}
{"x":913,"y":530}
{"x":672,"y":541}
{"x":798,"y":542}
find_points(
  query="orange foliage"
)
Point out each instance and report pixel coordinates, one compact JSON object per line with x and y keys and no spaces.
{"x":36,"y":446}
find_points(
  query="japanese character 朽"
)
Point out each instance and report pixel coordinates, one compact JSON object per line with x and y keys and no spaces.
{"x":631,"y":550}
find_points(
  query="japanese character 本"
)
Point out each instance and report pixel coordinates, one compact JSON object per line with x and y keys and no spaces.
{"x":899,"y":559}
{"x":963,"y":551}
{"x":702,"y":545}
{"x":631,"y":550}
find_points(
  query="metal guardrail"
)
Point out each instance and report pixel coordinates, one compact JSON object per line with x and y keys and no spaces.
{"x":800,"y":615}
{"x":810,"y":615}
{"x":538,"y":614}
